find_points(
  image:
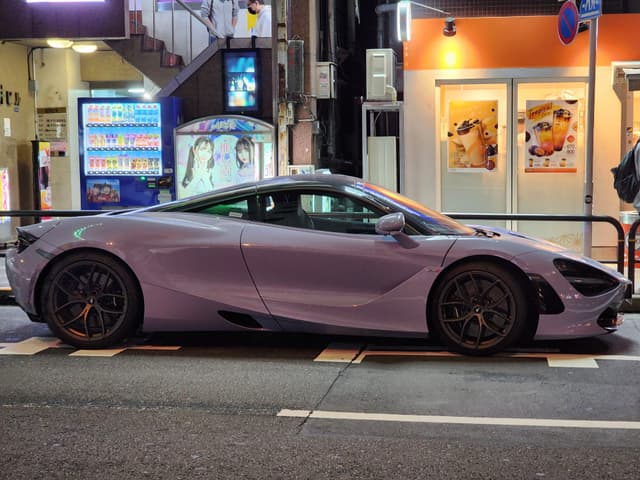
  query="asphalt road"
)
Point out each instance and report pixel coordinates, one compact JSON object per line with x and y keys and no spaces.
{"x":300,"y":407}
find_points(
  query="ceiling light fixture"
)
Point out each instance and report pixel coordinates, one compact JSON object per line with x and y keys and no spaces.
{"x":449,"y":29}
{"x":59,"y":42}
{"x":85,"y":47}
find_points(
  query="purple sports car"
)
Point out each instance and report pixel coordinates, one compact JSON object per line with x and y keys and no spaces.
{"x":327,"y":254}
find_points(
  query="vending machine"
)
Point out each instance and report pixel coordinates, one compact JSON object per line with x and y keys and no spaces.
{"x":126,"y":151}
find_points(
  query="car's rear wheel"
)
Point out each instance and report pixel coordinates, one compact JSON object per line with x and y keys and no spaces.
{"x":90,"y":300}
{"x":479,"y":309}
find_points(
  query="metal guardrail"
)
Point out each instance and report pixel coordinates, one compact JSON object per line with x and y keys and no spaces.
{"x":38,"y":214}
{"x":631,"y":253}
{"x":565,"y":218}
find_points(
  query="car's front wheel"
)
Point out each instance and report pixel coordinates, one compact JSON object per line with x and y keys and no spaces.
{"x":479,"y":309}
{"x":90,"y":300}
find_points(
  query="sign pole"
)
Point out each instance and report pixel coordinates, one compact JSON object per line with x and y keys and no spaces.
{"x":588,"y":171}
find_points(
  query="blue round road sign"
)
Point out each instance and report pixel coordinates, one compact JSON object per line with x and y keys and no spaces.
{"x":568,"y":19}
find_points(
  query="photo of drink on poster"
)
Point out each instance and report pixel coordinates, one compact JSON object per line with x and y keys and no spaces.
{"x":551,"y":136}
{"x":472,"y":136}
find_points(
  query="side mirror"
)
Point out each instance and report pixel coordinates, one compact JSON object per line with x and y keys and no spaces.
{"x":390,"y":224}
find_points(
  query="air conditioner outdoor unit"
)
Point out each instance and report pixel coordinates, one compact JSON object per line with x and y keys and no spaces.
{"x":381,"y":74}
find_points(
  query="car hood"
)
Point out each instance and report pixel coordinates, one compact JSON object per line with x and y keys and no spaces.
{"x":520,"y":244}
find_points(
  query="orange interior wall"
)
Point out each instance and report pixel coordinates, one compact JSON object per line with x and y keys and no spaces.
{"x":518,"y":42}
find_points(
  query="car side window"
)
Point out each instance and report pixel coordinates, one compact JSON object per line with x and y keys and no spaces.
{"x":337,"y":213}
{"x":285,"y":208}
{"x":238,"y":208}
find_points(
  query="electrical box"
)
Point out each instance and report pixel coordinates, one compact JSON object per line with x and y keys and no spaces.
{"x":325,"y":80}
{"x":381,"y":74}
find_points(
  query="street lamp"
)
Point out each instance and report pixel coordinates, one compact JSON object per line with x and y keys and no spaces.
{"x":403,"y":20}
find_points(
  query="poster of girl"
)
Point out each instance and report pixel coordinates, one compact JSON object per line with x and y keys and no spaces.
{"x":245,"y":152}
{"x":198,"y":175}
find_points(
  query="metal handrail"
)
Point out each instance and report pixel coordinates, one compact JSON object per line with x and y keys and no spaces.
{"x":37,"y":214}
{"x":566,"y":218}
{"x":192,"y":14}
{"x":631,"y":252}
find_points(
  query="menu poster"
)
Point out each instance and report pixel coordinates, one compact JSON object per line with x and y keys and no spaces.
{"x":472,"y":136}
{"x":551,"y":136}
{"x":4,"y":193}
{"x":44,"y":168}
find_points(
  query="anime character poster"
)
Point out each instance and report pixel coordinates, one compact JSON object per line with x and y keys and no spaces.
{"x":472,"y":136}
{"x":208,"y":161}
{"x":551,"y":136}
{"x":103,"y":190}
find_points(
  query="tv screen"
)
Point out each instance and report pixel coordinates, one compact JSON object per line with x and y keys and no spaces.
{"x":241,"y":81}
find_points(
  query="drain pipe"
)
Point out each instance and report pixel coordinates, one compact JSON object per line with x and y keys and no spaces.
{"x":380,"y":11}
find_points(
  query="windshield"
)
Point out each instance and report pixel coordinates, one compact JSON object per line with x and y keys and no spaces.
{"x":432,"y":222}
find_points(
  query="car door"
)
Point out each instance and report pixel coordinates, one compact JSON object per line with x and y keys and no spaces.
{"x":327,"y":270}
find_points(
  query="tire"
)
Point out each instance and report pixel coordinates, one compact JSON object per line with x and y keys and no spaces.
{"x":90,"y":300}
{"x":479,"y":309}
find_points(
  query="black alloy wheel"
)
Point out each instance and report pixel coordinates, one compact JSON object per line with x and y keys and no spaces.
{"x":479,"y":309}
{"x":90,"y":300}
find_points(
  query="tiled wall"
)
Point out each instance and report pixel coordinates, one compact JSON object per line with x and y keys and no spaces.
{"x":501,"y":8}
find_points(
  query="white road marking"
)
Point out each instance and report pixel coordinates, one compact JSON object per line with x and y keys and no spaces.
{"x":30,"y":346}
{"x":443,"y":419}
{"x":557,"y":360}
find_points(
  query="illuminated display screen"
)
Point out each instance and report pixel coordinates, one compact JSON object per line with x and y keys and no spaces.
{"x":241,"y":82}
{"x":64,"y":1}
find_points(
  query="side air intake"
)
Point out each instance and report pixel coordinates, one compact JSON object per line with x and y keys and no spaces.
{"x":240,"y":319}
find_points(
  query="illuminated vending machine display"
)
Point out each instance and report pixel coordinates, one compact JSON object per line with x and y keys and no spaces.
{"x":126,"y":151}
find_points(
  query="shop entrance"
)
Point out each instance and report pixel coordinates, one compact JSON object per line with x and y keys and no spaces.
{"x":515,"y":146}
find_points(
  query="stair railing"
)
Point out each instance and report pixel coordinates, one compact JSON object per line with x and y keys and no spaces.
{"x":192,"y":14}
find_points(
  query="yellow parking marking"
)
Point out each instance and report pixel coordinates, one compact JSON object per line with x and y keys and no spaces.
{"x":443,"y":419}
{"x":166,"y":348}
{"x":107,"y":352}
{"x":555,"y":360}
{"x":337,"y":352}
{"x":402,"y":353}
{"x":31,"y":346}
{"x":34,"y":345}
{"x":112,"y":352}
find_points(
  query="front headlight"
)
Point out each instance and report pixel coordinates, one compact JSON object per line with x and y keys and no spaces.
{"x":587,"y":280}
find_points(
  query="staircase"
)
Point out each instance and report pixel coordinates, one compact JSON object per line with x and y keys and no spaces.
{"x":147,"y":54}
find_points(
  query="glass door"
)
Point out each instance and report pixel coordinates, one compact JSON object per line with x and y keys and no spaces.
{"x":550,"y":157}
{"x":515,"y":146}
{"x":474,"y":144}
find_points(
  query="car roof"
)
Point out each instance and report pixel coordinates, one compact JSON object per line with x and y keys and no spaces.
{"x":275,"y":183}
